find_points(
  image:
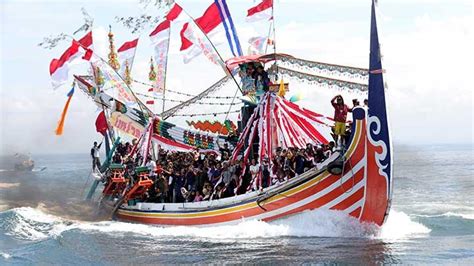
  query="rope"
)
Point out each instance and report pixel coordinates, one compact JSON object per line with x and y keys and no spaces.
{"x":178,"y":101}
{"x":216,"y":86}
{"x":228,"y":111}
{"x":204,"y":114}
{"x":183,"y":93}
{"x":342,"y":173}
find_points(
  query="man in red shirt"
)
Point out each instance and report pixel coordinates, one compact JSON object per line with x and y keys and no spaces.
{"x":340,"y":116}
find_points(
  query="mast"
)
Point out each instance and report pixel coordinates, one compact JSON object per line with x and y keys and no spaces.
{"x":274,"y":35}
{"x":152,"y":74}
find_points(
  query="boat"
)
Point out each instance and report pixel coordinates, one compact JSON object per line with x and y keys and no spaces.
{"x":356,"y":179}
{"x":23,"y":163}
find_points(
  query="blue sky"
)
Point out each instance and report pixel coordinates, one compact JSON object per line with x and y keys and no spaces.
{"x":427,"y":46}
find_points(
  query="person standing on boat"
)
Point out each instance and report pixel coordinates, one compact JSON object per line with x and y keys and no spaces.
{"x":340,"y":117}
{"x":265,"y":174}
{"x":299,"y":162}
{"x":152,"y":165}
{"x":262,"y":82}
{"x":95,"y":156}
{"x":254,"y":170}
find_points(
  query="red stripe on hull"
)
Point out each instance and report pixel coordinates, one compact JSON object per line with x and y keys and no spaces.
{"x":323,"y":200}
{"x":356,"y":213}
{"x":349,"y":201}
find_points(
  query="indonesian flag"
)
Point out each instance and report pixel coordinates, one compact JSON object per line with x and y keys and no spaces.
{"x":175,"y":13}
{"x":126,"y":53}
{"x":260,"y":12}
{"x":198,"y":46}
{"x":215,"y":20}
{"x":59,"y":68}
{"x":257,"y":45}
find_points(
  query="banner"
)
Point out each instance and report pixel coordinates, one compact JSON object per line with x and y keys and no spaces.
{"x":115,"y":86}
{"x":126,"y":125}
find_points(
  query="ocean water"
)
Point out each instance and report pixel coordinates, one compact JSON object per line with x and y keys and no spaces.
{"x":44,"y":221}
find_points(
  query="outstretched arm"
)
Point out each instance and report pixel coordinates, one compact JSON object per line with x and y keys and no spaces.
{"x":333,"y":100}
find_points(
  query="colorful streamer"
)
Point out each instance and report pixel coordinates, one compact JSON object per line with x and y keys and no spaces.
{"x":60,"y":128}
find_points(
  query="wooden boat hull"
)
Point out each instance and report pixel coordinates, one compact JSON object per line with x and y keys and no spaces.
{"x":362,"y":191}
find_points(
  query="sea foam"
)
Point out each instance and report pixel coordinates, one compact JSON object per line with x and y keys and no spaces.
{"x":32,"y":224}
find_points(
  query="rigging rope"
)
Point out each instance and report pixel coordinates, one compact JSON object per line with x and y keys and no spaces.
{"x":204,"y":114}
{"x":179,"y":101}
{"x":227,"y":115}
{"x":219,"y":84}
{"x":183,"y":93}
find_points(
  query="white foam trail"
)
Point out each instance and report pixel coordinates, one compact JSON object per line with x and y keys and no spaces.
{"x":320,"y":223}
{"x":400,"y":226}
{"x":5,"y":255}
{"x":32,"y":224}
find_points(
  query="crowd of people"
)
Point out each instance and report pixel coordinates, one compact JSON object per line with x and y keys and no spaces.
{"x":196,"y":176}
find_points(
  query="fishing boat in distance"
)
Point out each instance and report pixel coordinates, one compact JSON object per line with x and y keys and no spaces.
{"x":355,"y":179}
{"x":23,"y":162}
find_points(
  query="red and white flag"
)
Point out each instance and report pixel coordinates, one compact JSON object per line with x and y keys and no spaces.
{"x":199,"y":45}
{"x":161,"y":32}
{"x":176,"y":13}
{"x":59,"y":68}
{"x":126,"y":54}
{"x":257,"y":45}
{"x":261,"y":11}
{"x":192,"y":41}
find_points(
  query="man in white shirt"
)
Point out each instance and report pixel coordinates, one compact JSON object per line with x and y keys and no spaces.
{"x":254,"y":169}
{"x":95,"y":156}
{"x":152,"y":165}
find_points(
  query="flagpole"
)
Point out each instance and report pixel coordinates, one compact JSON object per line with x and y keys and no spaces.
{"x":226,"y":68}
{"x":268,"y":36}
{"x":134,"y":53}
{"x":274,"y":35}
{"x":166,"y":70}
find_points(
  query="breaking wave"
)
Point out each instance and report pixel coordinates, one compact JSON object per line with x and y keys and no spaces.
{"x":31,"y":224}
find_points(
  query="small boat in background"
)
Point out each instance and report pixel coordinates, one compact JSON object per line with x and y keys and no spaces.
{"x":23,"y":163}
